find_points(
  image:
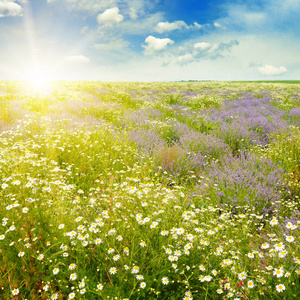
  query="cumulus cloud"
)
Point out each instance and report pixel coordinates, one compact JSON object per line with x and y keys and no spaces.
{"x":156,"y":44}
{"x":271,"y":70}
{"x":9,"y":8}
{"x":110,"y":16}
{"x":162,"y":27}
{"x":202,"y":46}
{"x":185,"y":59}
{"x":78,"y":59}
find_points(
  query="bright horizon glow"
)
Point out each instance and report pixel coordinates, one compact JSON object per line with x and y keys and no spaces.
{"x":39,"y":79}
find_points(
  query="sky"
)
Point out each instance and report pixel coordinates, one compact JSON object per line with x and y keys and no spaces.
{"x":150,"y":40}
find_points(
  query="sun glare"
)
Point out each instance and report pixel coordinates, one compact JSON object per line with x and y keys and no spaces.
{"x":40,"y":80}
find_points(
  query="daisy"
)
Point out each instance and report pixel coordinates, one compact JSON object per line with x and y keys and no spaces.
{"x":165,"y":280}
{"x":180,"y":231}
{"x":55,"y":271}
{"x":280,"y":287}
{"x":72,"y":295}
{"x":153,"y":225}
{"x":139,"y":277}
{"x":242,"y":275}
{"x":289,"y":225}
{"x":250,"y":284}
{"x":168,"y":251}
{"x":82,"y":291}
{"x":278,"y":272}
{"x":143,"y":244}
{"x":99,"y":286}
{"x":202,"y":268}
{"x":73,"y":276}
{"x":72,"y":266}
{"x":98,"y":241}
{"x":135,"y":269}
{"x":61,"y":226}
{"x":116,"y":257}
{"x":119,"y":238}
{"x":54,"y":296}
{"x":227,"y":286}
{"x":40,"y":257}
{"x":265,"y":246}
{"x":142,"y":285}
{"x":279,"y":246}
{"x":46,"y":287}
{"x":113,"y":270}
{"x":15,"y":292}
{"x":289,"y":239}
{"x":273,"y":222}
{"x":164,"y":232}
{"x":282,"y":254}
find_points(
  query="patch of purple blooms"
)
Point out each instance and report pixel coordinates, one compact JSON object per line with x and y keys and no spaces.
{"x":242,"y":180}
{"x":251,"y":120}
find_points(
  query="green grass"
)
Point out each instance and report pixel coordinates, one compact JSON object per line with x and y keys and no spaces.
{"x":86,"y":214}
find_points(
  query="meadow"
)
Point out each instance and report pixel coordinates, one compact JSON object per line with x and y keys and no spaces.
{"x":178,"y":190}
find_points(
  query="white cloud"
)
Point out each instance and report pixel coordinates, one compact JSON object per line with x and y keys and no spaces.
{"x":218,"y":25}
{"x":202,"y":46}
{"x":272,"y":71}
{"x":162,"y":27}
{"x":185,"y":59}
{"x":78,"y":59}
{"x":111,"y":15}
{"x":8,"y":8}
{"x":197,"y":25}
{"x":133,"y":13}
{"x":156,"y":44}
{"x":141,"y":25}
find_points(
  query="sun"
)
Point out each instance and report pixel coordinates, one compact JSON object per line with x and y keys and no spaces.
{"x":39,"y":78}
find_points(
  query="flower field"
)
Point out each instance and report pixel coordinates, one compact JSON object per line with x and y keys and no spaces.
{"x":184,"y":190}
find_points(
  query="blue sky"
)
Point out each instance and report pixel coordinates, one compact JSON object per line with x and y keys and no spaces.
{"x":150,"y":40}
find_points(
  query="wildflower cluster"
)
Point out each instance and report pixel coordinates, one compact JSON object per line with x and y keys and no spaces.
{"x":126,"y":192}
